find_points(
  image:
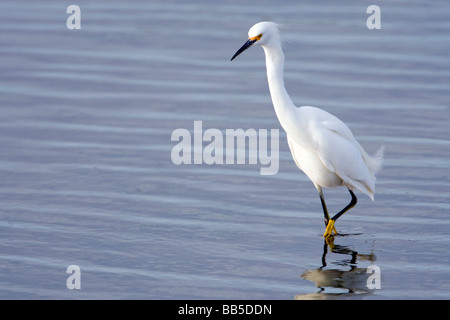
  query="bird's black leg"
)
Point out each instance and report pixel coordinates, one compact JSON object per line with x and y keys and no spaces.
{"x":330,"y":227}
{"x":348,"y":207}
{"x":324,"y":207}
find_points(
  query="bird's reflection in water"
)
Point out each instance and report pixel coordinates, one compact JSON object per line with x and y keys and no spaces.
{"x":344,"y":281}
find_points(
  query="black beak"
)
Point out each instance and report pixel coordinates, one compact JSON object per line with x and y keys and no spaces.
{"x":243,"y":48}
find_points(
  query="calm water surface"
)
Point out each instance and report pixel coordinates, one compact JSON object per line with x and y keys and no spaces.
{"x":86,"y":176}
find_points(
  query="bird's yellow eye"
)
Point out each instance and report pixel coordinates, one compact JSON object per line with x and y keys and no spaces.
{"x":258,"y":37}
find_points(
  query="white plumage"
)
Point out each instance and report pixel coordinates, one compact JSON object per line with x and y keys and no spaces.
{"x":322,"y":146}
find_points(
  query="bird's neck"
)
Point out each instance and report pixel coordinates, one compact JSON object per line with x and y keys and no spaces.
{"x":282,"y":103}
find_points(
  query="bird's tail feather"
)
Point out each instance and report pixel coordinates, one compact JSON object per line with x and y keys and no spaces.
{"x":375,"y":161}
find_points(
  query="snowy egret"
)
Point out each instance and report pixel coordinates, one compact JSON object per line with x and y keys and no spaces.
{"x":322,"y":146}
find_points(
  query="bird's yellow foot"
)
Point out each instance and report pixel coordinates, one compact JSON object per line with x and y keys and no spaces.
{"x":330,"y":229}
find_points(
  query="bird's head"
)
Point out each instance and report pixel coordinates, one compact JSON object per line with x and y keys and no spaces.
{"x":261,"y":33}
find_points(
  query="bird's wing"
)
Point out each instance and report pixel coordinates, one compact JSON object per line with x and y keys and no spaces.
{"x":335,"y":145}
{"x":341,"y":154}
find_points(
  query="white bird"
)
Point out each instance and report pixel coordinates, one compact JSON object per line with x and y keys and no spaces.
{"x":322,"y":146}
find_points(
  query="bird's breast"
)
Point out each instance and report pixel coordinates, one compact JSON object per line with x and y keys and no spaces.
{"x":310,"y":163}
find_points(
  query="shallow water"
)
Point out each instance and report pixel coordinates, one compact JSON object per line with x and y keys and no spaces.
{"x":87,"y":177}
